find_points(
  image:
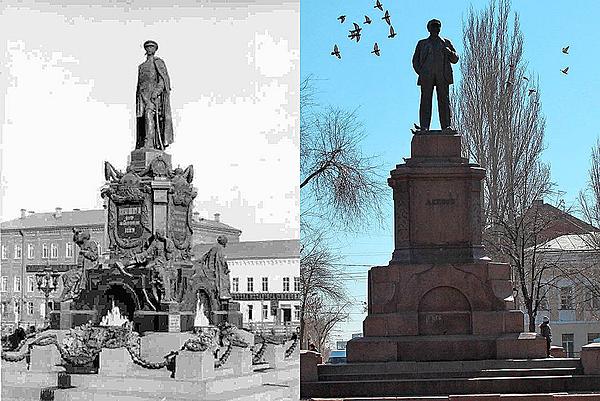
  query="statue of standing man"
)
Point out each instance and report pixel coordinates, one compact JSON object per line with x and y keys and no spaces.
{"x":432,"y":62}
{"x":154,"y":128}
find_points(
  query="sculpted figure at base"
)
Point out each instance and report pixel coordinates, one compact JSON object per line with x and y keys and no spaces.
{"x":432,"y":62}
{"x":158,"y":258}
{"x":74,"y":280}
{"x":215,"y":265}
{"x":153,"y":106}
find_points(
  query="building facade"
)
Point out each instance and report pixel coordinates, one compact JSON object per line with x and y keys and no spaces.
{"x":572,"y":300}
{"x":37,"y":240}
{"x":265,"y":280}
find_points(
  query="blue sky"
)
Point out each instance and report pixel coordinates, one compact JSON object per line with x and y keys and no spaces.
{"x":383,"y":91}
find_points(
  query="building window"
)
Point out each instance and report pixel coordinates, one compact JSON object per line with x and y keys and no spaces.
{"x":30,"y":308}
{"x":53,"y":251}
{"x":30,"y":284}
{"x":296,"y":284}
{"x":100,"y":251}
{"x":4,"y":308}
{"x":17,"y":286}
{"x":18,"y":251}
{"x":566,"y":298}
{"x":592,"y":337}
{"x":4,"y":252}
{"x":568,"y":344}
{"x":17,"y":307}
{"x":45,"y":251}
{"x":250,"y":284}
{"x":30,"y":251}
{"x":265,"y":284}
{"x":250,"y":307}
{"x":69,"y":250}
{"x":235,"y":286}
{"x":297,"y":312}
{"x":265,"y":312}
{"x":286,"y":284}
{"x":4,"y":285}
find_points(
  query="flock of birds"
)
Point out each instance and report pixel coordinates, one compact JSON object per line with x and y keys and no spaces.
{"x":565,"y":71}
{"x":355,"y":34}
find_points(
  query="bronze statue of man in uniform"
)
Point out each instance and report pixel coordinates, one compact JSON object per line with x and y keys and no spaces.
{"x":154,"y":128}
{"x":432,"y":62}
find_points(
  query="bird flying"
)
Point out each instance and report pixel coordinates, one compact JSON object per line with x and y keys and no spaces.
{"x":379,"y":5}
{"x":354,"y":35}
{"x":342,"y":18}
{"x":392,"y":33}
{"x":532,"y":91}
{"x":336,"y":52}
{"x":386,"y":17}
{"x":565,"y":50}
{"x":376,"y":50}
{"x":565,"y":71}
{"x":367,"y":20}
{"x":526,"y":79}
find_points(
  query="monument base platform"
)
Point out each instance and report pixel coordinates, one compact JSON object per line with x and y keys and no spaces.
{"x":445,"y":348}
{"x":492,"y":380}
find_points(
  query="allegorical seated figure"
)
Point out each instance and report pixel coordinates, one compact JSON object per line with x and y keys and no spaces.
{"x":74,"y":280}
{"x":158,"y":258}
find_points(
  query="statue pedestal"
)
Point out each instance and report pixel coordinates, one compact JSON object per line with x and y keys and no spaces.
{"x":439,"y":299}
{"x":141,"y":158}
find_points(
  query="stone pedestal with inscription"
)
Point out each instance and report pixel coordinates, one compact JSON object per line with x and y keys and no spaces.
{"x":439,"y":298}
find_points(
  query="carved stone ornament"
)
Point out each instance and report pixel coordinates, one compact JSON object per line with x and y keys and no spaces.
{"x":181,"y":196}
{"x":129,"y":204}
{"x":158,"y":168}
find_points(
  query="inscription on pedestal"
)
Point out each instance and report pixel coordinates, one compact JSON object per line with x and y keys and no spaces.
{"x":174,"y":323}
{"x":179,"y":218}
{"x":129,"y":222}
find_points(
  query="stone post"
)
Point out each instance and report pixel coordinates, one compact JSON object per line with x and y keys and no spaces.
{"x":195,"y":365}
{"x":240,"y":359}
{"x":274,"y":355}
{"x":590,"y":359}
{"x":45,"y":359}
{"x":308,"y":366}
{"x":115,"y":362}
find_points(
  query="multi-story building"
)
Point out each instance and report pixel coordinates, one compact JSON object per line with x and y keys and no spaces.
{"x":36,"y":240}
{"x":265,"y":280}
{"x":572,"y":302}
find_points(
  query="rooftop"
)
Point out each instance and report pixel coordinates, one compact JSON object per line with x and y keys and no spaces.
{"x":78,"y":218}
{"x":270,"y":249}
{"x":56,"y":219}
{"x":573,"y":242}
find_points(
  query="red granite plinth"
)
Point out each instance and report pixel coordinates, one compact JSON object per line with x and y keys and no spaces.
{"x":440,"y":298}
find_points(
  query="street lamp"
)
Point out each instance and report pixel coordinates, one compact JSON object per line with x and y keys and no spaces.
{"x":47,"y":281}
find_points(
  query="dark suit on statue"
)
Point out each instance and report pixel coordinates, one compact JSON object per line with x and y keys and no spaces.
{"x":432,"y":62}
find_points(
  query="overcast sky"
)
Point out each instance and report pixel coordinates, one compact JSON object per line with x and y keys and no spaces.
{"x":69,"y":75}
